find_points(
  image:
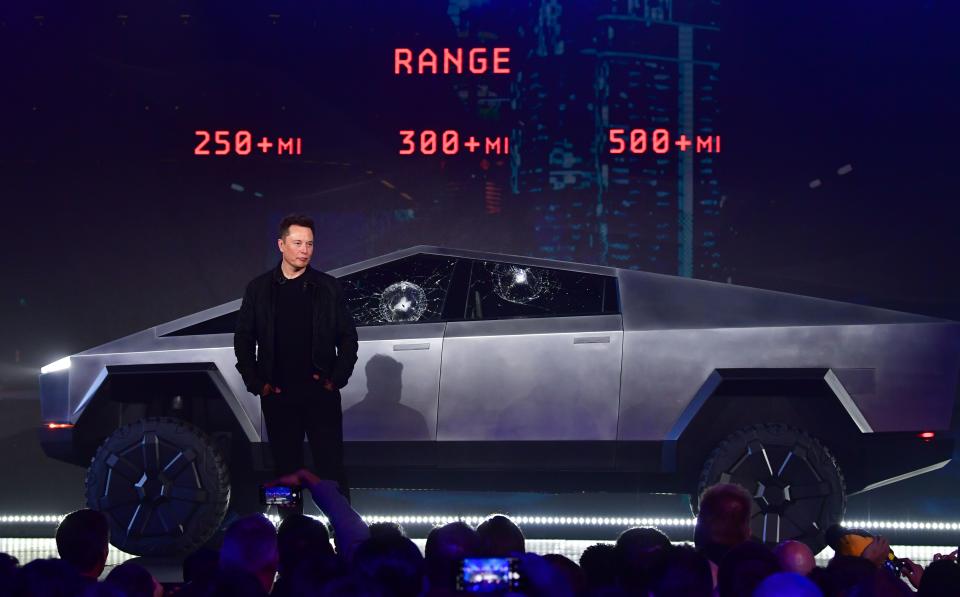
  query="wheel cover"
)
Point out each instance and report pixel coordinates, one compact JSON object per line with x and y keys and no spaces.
{"x":152,"y":488}
{"x":789,"y":495}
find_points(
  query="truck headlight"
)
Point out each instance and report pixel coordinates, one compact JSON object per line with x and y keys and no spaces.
{"x":59,"y":365}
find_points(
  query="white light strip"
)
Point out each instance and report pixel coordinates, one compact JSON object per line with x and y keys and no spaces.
{"x":579,"y":521}
{"x":31,"y":518}
{"x":902,"y":525}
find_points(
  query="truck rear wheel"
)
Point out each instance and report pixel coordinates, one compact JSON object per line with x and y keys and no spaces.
{"x":162,"y":484}
{"x":798,"y":490}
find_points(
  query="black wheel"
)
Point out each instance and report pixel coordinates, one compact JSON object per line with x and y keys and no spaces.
{"x":162,"y":484}
{"x":797,"y":487}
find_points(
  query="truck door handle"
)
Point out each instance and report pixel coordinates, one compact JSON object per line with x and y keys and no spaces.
{"x":591,"y":340}
{"x":420,"y":346}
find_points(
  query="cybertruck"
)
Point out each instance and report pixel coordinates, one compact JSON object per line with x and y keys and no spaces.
{"x":486,"y":371}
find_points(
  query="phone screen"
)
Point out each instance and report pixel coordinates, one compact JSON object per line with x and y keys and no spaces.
{"x":279,"y":495}
{"x":488,"y":575}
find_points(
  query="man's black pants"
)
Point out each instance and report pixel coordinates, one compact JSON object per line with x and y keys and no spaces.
{"x":313,"y":411}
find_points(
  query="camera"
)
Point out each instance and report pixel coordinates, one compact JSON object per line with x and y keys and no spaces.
{"x":488,"y":575}
{"x":282,"y":496}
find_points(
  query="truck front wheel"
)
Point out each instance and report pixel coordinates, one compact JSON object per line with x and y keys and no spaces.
{"x":162,"y":484}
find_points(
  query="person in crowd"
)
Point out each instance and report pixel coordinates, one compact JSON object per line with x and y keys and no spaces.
{"x":349,"y":530}
{"x":723,"y":521}
{"x":795,"y":556}
{"x":634,"y":549}
{"x":881,"y":583}
{"x":679,"y":571}
{"x":387,"y":528}
{"x":312,"y":573}
{"x":600,"y":566}
{"x":299,"y":538}
{"x":500,"y":536}
{"x":393,"y":561}
{"x":83,"y":541}
{"x":821,"y":578}
{"x":233,"y":582}
{"x":877,"y":553}
{"x":8,"y":572}
{"x":743,"y":568}
{"x":446,"y":546}
{"x":49,"y":578}
{"x":846,"y":572}
{"x":941,"y":578}
{"x":540,"y":578}
{"x":250,"y":547}
{"x":787,"y":584}
{"x":134,"y":580}
{"x":569,"y":570}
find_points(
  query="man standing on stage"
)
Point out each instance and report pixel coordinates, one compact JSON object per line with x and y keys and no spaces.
{"x":296,"y":346}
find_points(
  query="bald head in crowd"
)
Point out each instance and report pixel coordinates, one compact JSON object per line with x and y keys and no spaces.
{"x":250,"y":546}
{"x":795,"y":557}
{"x":724,"y":517}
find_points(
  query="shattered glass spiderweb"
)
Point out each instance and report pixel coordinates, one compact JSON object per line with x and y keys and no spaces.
{"x":402,"y":301}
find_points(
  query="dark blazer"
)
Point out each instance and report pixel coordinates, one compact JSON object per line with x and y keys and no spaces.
{"x":334,"y":334}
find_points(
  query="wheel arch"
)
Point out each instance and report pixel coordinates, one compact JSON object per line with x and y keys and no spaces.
{"x":811,"y":399}
{"x":195,"y":392}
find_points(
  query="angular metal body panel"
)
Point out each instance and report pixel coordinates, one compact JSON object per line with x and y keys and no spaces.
{"x":608,"y":382}
{"x":393,"y":392}
{"x":912,"y":364}
{"x":529,"y":380}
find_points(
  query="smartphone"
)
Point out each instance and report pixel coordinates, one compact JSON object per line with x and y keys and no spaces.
{"x":283,"y":496}
{"x":488,"y":575}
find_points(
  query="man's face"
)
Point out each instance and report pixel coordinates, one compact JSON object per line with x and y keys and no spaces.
{"x":297,"y":246}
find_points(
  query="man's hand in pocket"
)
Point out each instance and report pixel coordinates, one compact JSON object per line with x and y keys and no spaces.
{"x":327,"y":384}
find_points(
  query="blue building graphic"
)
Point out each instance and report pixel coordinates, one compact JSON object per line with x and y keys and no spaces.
{"x":582,"y":68}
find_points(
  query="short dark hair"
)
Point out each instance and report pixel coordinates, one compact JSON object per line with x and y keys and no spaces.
{"x":249,"y":544}
{"x":299,"y":535}
{"x":635,"y":549}
{"x":445,"y":547}
{"x":393,"y":561}
{"x":500,"y":536}
{"x":599,"y":564}
{"x":295,"y":220}
{"x":387,"y":527}
{"x":82,"y":539}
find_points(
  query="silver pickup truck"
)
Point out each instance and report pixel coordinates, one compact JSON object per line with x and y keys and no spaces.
{"x":494,"y":372}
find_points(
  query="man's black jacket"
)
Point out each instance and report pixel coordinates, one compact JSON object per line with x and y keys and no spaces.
{"x":334,"y":334}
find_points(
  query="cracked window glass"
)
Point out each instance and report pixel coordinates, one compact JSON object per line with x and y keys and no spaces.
{"x":501,"y":290}
{"x":409,"y":290}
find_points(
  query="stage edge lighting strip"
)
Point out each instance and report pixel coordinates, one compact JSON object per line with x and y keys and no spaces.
{"x":580,"y":521}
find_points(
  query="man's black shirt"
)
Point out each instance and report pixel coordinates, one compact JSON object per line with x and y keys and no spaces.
{"x":293,"y":341}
